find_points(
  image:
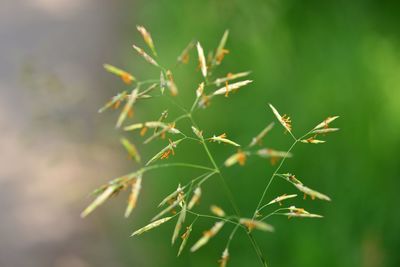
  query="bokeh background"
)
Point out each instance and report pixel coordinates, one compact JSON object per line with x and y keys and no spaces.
{"x":311,"y":59}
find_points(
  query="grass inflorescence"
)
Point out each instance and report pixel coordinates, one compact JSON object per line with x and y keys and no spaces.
{"x":180,"y":205}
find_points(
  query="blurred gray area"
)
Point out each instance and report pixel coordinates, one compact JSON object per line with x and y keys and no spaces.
{"x":50,"y":155}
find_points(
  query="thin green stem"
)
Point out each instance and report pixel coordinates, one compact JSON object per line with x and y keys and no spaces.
{"x":176,"y":164}
{"x":272,"y":178}
{"x":225,"y":219}
{"x":257,"y":249}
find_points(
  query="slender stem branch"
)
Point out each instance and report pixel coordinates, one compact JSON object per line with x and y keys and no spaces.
{"x":272,"y":178}
{"x":176,"y":164}
{"x":257,"y":249}
{"x":227,"y":219}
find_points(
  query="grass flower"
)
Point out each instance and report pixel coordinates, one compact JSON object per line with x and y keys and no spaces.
{"x":222,"y":139}
{"x":147,"y":38}
{"x":202,"y":60}
{"x":254,"y":224}
{"x":207,"y":235}
{"x":136,"y":186}
{"x":151,"y":226}
{"x":125,"y":76}
{"x":217,"y":211}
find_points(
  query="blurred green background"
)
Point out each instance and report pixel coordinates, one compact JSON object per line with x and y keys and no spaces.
{"x":311,"y":59}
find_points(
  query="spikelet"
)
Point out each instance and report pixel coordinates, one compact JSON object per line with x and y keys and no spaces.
{"x":312,"y":193}
{"x":224,"y":258}
{"x":173,"y":89}
{"x":131,"y":149}
{"x":254,"y":224}
{"x":217,"y":211}
{"x":326,"y":122}
{"x":171,"y":196}
{"x":163,"y":116}
{"x":115,"y":100}
{"x":126,"y":77}
{"x":221,"y":51}
{"x":195,"y":198}
{"x":230,"y":77}
{"x":284,"y":120}
{"x":169,"y":128}
{"x":312,"y":140}
{"x":231,"y":87}
{"x":325,"y":130}
{"x":180,"y":221}
{"x":147,"y":90}
{"x":302,"y":215}
{"x":185,"y":238}
{"x":151,"y":226}
{"x":163,"y":83}
{"x":148,"y":58}
{"x":106,"y":194}
{"x":200,"y":90}
{"x":291,"y":178}
{"x":299,"y":212}
{"x":184,"y":56}
{"x":281,"y":198}
{"x":147,"y":38}
{"x":262,"y":134}
{"x":153,"y":124}
{"x":127,"y":108}
{"x":136,"y":186}
{"x":202,"y":59}
{"x":222,"y":138}
{"x":162,"y":153}
{"x":197,"y":132}
{"x":166,"y":210}
{"x":239,"y":157}
{"x":271,"y":153}
{"x":207,"y":235}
